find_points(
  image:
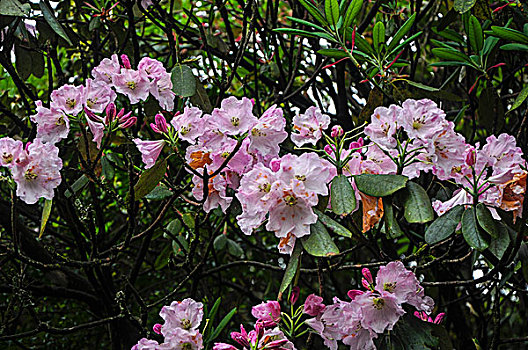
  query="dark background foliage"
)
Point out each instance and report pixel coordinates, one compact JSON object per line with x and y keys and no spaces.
{"x":106,"y":264}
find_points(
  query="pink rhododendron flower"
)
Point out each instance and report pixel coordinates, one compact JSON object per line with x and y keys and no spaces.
{"x":182,"y":339}
{"x":161,"y":89}
{"x":309,"y":126}
{"x":313,"y":305}
{"x":307,"y":173}
{"x":39,"y":174}
{"x":421,"y":119}
{"x":150,"y":151}
{"x":268,"y":312}
{"x":240,"y":162}
{"x":11,"y":152}
{"x":186,"y":314}
{"x":383,"y":126}
{"x":108,"y":68}
{"x":235,"y":117}
{"x":377,"y":162}
{"x":146,"y":344}
{"x":68,"y":98}
{"x":380,"y":311}
{"x":189,"y":124}
{"x":52,"y":124}
{"x":268,"y":133}
{"x":134,"y":84}
{"x":217,"y":196}
{"x":425,"y":317}
{"x":97,"y":95}
{"x":396,"y":279}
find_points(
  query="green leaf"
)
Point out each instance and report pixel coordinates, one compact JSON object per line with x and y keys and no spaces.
{"x":163,"y":258}
{"x":293,"y":31}
{"x":150,"y":179}
{"x":220,"y":242}
{"x":234,"y":248}
{"x":334,"y":53}
{"x":159,"y":193}
{"x":472,"y":234}
{"x":77,"y":186}
{"x":520,"y":98}
{"x":508,"y":34}
{"x":107,"y":169}
{"x":444,"y":226}
{"x":514,"y":47}
{"x":180,"y":248}
{"x":499,"y":245}
{"x":449,"y":34}
{"x":410,"y":333}
{"x":486,"y":220}
{"x":417,"y":205}
{"x":14,"y":8}
{"x":49,"y":16}
{"x":332,"y":11}
{"x":378,"y":36}
{"x":188,"y":220}
{"x":200,"y":97}
{"x":183,"y":81}
{"x":306,"y":23}
{"x":361,"y":43}
{"x":46,"y":211}
{"x":175,"y":227}
{"x":422,"y":86}
{"x":222,"y":325}
{"x":291,"y":269}
{"x":212,"y":313}
{"x":406,"y":42}
{"x":380,"y":185}
{"x":343,"y":197}
{"x":351,"y":12}
{"x":474,"y":32}
{"x":332,"y":224}
{"x":319,"y":242}
{"x":314,"y":11}
{"x":463,"y":6}
{"x":391,"y":224}
{"x":401,"y":32}
{"x":451,"y":55}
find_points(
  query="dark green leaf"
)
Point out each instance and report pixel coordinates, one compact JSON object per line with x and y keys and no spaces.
{"x":234,"y":248}
{"x":417,"y":204}
{"x":514,"y":47}
{"x":378,"y":36}
{"x":77,"y":186}
{"x":474,"y":32}
{"x":472,"y":234}
{"x":14,"y":8}
{"x":200,"y":98}
{"x":499,"y":245}
{"x":422,"y":86}
{"x":319,"y":242}
{"x":486,"y":220}
{"x":444,"y":226}
{"x":49,"y":16}
{"x":451,"y":55}
{"x":107,"y":169}
{"x":150,"y":179}
{"x":463,"y":6}
{"x":183,"y":81}
{"x":520,"y":98}
{"x":332,"y":12}
{"x":343,"y":197}
{"x":404,"y":29}
{"x":509,"y":34}
{"x":332,"y":224}
{"x":175,"y":227}
{"x":305,"y":33}
{"x":314,"y":11}
{"x":291,"y":269}
{"x":351,"y":12}
{"x":411,"y":333}
{"x":159,"y":193}
{"x":212,"y":313}
{"x":334,"y":53}
{"x":306,"y":23}
{"x":380,"y":185}
{"x":46,"y":211}
{"x":391,"y":225}
{"x":404,"y":44}
{"x":222,"y":325}
{"x":163,"y":258}
{"x":220,"y":242}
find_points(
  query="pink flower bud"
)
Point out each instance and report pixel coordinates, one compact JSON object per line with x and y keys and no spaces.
{"x":471,"y":157}
{"x":121,"y":112}
{"x":126,"y":61}
{"x":131,"y":121}
{"x":365,"y":284}
{"x":123,"y":118}
{"x":337,"y":131}
{"x":92,"y":116}
{"x":275,"y":164}
{"x":329,"y":150}
{"x":356,"y":145}
{"x":352,"y":294}
{"x":110,"y":112}
{"x":294,"y":295}
{"x":313,"y":305}
{"x":157,"y":328}
{"x":439,"y":318}
{"x":161,"y":123}
{"x":368,"y":276}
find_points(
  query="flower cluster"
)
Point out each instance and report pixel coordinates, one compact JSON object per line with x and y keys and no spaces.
{"x":369,"y":313}
{"x":266,"y":334}
{"x":180,"y":330}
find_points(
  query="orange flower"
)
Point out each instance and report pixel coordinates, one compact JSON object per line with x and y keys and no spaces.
{"x":513,"y":194}
{"x":199,"y":159}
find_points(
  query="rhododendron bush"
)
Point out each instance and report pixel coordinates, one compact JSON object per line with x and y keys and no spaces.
{"x":263,"y":175}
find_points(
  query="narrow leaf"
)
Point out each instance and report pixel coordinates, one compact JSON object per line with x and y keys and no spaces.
{"x":378,"y":36}
{"x":291,"y":269}
{"x":380,"y":185}
{"x":343,"y":197}
{"x":14,"y":8}
{"x":314,"y":11}
{"x":471,"y":231}
{"x":474,"y":32}
{"x":49,"y":16}
{"x":418,"y":208}
{"x":150,"y":179}
{"x":401,"y":32}
{"x":391,"y":225}
{"x":222,"y":325}
{"x":509,"y":34}
{"x":46,"y":211}
{"x":444,"y":226}
{"x":463,"y":6}
{"x":334,"y":53}
{"x":351,"y":12}
{"x":333,"y":225}
{"x":451,"y":55}
{"x":520,"y":98}
{"x":332,"y":12}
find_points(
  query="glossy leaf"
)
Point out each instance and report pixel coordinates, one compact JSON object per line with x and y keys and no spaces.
{"x":472,"y":234}
{"x":222,"y":325}
{"x":463,"y":6}
{"x":331,"y":11}
{"x":319,"y":242}
{"x":444,"y":226}
{"x":200,"y":97}
{"x":404,"y":29}
{"x":314,"y":11}
{"x":391,"y":224}
{"x":150,"y":179}
{"x":486,"y":220}
{"x":332,"y":224}
{"x":451,"y":55}
{"x":474,"y":32}
{"x":46,"y":211}
{"x":378,"y":36}
{"x":417,"y":205}
{"x":351,"y":12}
{"x":509,"y":34}
{"x":380,"y":185}
{"x":306,"y":23}
{"x":520,"y":99}
{"x":334,"y":53}
{"x":183,"y":81}
{"x":499,"y":245}
{"x":291,"y":269}
{"x":514,"y":47}
{"x":343,"y":197}
{"x":49,"y":16}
